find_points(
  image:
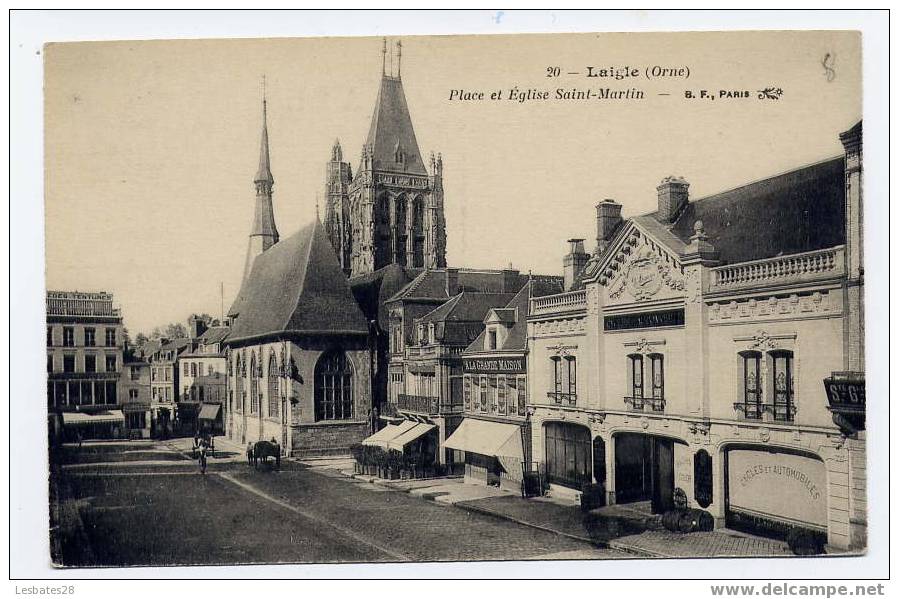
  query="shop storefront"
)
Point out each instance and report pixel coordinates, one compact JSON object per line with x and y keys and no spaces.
{"x":799,"y":503}
{"x":644,"y":470}
{"x":109,"y":424}
{"x":494,"y":452}
{"x":568,"y":454}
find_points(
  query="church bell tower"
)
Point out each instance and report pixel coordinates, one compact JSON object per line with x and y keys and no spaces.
{"x":391,"y":211}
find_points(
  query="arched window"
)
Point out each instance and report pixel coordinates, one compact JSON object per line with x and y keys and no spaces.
{"x":239,"y":382}
{"x":254,"y":387}
{"x":333,"y":387}
{"x":274,"y":399}
{"x":418,"y":258}
{"x":400,"y":230}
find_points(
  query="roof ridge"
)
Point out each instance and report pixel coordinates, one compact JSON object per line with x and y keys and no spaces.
{"x":753,"y":182}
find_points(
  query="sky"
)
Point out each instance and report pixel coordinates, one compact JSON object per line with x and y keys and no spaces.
{"x":151,"y":146}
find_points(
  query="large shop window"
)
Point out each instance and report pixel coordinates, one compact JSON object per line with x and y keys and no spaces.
{"x":333,"y":387}
{"x":568,"y":454}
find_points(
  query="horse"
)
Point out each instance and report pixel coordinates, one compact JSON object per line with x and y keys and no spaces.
{"x":261,"y":450}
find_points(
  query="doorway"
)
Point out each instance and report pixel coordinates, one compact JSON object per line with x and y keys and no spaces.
{"x":644,"y":470}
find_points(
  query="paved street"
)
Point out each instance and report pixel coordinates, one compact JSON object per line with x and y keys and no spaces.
{"x":118,"y":509}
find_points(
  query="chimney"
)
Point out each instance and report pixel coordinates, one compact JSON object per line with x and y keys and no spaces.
{"x":574,"y":261}
{"x":608,"y":217}
{"x":511,"y":283}
{"x":452,"y":281}
{"x":673,"y":197}
{"x":196,"y":326}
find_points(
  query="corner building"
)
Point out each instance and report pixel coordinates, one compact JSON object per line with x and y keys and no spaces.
{"x":702,"y":341}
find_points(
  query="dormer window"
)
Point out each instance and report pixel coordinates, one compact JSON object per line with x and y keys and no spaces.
{"x":491,"y":339}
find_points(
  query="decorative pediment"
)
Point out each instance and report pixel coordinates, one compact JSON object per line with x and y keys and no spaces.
{"x":639,"y":266}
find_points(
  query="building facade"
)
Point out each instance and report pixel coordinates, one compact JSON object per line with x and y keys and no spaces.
{"x":701,"y":342}
{"x":203,"y":378}
{"x":134,"y":388}
{"x":85,"y":342}
{"x":495,"y":431}
{"x":391,"y":210}
{"x":164,"y":386}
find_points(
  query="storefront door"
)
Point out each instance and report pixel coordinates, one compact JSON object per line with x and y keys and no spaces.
{"x":644,"y":470}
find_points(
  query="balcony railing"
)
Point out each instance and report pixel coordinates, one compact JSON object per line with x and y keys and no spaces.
{"x":766,"y":411}
{"x":573,"y":301}
{"x":750,"y":411}
{"x":655,"y":404}
{"x":795,"y":268}
{"x":422,"y":404}
{"x":562,"y":399}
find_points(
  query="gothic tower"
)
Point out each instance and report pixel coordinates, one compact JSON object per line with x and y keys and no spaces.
{"x":337,"y":211}
{"x":395,"y":201}
{"x":264,"y":233}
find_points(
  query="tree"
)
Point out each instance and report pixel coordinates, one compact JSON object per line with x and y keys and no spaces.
{"x":141,"y":339}
{"x":175,"y":330}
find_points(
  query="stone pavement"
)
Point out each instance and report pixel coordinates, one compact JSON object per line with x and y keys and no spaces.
{"x":625,"y":529}
{"x":618,"y":526}
{"x":718,"y":543}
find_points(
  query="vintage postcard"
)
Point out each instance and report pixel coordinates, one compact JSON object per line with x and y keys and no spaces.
{"x":455,"y":298}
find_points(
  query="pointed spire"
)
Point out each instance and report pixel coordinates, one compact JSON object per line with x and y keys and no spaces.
{"x":264,"y":173}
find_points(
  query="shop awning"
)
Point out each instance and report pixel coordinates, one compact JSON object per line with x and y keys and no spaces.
{"x":76,"y":418}
{"x":210,"y":411}
{"x":487,"y":438}
{"x":391,"y":431}
{"x":414,"y":433}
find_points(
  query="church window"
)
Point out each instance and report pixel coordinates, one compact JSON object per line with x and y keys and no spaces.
{"x":333,"y":387}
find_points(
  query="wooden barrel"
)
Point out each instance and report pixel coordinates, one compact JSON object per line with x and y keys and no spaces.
{"x":671,"y":520}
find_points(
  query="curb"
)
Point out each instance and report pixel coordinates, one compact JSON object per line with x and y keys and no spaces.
{"x":488,"y":512}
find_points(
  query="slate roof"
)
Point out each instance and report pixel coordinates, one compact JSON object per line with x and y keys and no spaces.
{"x":798,"y":211}
{"x":517,"y":340}
{"x":466,"y":307}
{"x":372,"y":290}
{"x":297,"y":286}
{"x":391,"y":127}
{"x":431,"y":283}
{"x":461,"y":319}
{"x":214,"y":335}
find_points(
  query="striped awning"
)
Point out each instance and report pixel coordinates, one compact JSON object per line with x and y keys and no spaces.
{"x":210,"y":411}
{"x":416,"y":432}
{"x":389,"y":432}
{"x":109,"y":417}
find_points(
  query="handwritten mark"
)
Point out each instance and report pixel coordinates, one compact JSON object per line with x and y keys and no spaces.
{"x":498,"y":16}
{"x":828,"y":64}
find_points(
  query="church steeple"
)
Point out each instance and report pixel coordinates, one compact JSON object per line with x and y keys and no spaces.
{"x":264,"y":233}
{"x":391,"y":212}
{"x":264,"y":174}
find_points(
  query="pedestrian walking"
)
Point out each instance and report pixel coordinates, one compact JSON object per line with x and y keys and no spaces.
{"x":201,"y":450}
